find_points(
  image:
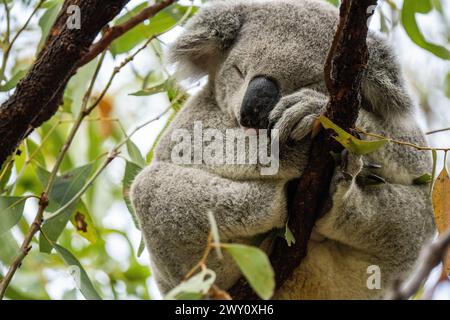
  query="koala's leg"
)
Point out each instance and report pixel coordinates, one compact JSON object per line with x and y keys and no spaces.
{"x":388,"y":221}
{"x":295,"y":114}
{"x":172,"y":203}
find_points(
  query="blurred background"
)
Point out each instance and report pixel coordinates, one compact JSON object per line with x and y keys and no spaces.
{"x":107,"y":243}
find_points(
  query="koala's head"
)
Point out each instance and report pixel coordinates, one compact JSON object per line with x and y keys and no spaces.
{"x":256,"y":51}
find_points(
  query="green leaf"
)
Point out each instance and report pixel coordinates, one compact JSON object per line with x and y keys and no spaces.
{"x":423,"y":179}
{"x":5,"y":172}
{"x":447,"y":85}
{"x":141,"y":247}
{"x":437,"y":5}
{"x":81,"y":278}
{"x":11,"y":210}
{"x":160,"y":23}
{"x":194,"y":288}
{"x":48,"y":18}
{"x":135,"y":154}
{"x":410,"y":8}
{"x":131,"y":171}
{"x":289,"y":236}
{"x":84,"y":224}
{"x":33,"y":151}
{"x":11,"y":83}
{"x":255,"y":266}
{"x":64,"y":189}
{"x":9,"y":247}
{"x":154,"y":89}
{"x":334,"y":2}
{"x":350,"y":142}
{"x":150,"y":154}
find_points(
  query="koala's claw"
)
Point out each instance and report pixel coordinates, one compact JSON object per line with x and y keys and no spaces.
{"x":350,"y":166}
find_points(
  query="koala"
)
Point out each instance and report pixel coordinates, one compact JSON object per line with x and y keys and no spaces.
{"x":264,"y":64}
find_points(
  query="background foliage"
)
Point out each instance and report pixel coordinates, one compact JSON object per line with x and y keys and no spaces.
{"x":98,"y":231}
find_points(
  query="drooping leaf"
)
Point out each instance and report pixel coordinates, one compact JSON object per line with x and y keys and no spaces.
{"x":11,"y":210}
{"x":9,"y":247}
{"x":135,"y":154}
{"x":433,"y":171}
{"x":64,"y":189}
{"x":255,"y":266}
{"x":441,"y":206}
{"x":351,"y":143}
{"x":141,"y":247}
{"x":84,"y":224}
{"x":80,"y":276}
{"x":408,"y":15}
{"x":150,"y":154}
{"x":131,"y":171}
{"x":194,"y":288}
{"x":441,"y":201}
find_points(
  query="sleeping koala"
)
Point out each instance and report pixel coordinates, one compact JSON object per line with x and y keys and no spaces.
{"x":264,"y":62}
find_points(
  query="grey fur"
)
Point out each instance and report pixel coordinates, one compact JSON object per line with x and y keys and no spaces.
{"x":367,"y":225}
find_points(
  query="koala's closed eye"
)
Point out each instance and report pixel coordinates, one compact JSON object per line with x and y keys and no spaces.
{"x":239,"y":71}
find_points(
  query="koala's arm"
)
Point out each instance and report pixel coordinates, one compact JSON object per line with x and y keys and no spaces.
{"x":172,"y":203}
{"x":391,"y":220}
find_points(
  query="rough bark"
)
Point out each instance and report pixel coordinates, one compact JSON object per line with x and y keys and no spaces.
{"x":344,"y":69}
{"x":39,"y":94}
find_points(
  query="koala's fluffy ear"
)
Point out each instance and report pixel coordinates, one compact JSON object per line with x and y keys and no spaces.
{"x":206,"y":37}
{"x":384,"y":91}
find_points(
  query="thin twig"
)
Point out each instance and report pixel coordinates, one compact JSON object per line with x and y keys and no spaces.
{"x":115,"y":32}
{"x":429,"y":258}
{"x":437,"y":131}
{"x":16,"y":36}
{"x":404,"y":143}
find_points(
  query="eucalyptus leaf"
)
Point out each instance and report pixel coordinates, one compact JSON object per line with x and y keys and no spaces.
{"x":135,"y":154}
{"x":194,"y":288}
{"x":131,"y":171}
{"x":255,"y":267}
{"x":11,"y":83}
{"x":408,"y":15}
{"x":80,"y":276}
{"x":64,"y":189}
{"x":11,"y":210}
{"x":351,"y":143}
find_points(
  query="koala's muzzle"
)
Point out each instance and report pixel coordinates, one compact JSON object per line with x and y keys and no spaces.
{"x":261,"y":97}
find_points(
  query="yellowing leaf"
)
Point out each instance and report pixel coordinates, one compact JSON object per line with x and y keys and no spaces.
{"x":441,"y":206}
{"x":83,"y":223}
{"x":350,"y":142}
{"x":105,"y":110}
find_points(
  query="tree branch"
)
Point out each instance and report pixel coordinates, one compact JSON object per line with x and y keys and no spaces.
{"x":429,"y":258}
{"x":115,"y":32}
{"x":34,"y":97}
{"x":344,"y":69}
{"x":38,"y":96}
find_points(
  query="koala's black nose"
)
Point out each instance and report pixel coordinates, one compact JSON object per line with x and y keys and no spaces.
{"x":261,"y":97}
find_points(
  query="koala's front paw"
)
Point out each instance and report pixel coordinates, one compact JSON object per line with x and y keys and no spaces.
{"x":294,"y":115}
